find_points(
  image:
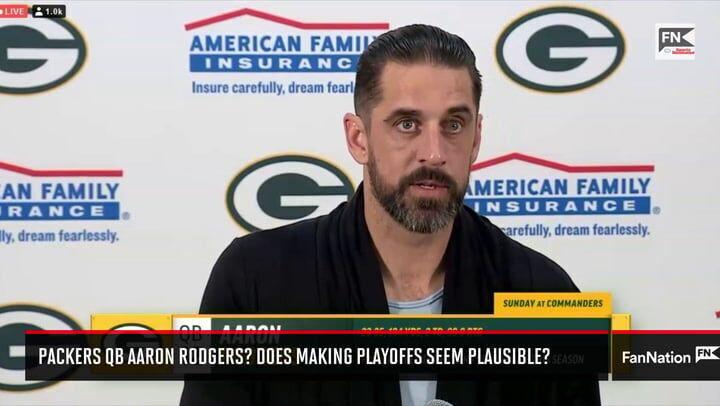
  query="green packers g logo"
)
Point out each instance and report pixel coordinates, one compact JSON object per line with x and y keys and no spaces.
{"x":128,"y":341}
{"x":560,"y":49}
{"x":282,"y":190}
{"x":14,"y":320}
{"x":38,"y":54}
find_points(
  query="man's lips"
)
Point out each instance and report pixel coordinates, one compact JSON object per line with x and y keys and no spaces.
{"x":430,"y":185}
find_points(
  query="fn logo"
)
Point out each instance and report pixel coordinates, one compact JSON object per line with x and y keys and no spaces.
{"x":675,"y":41}
{"x":706,"y":352}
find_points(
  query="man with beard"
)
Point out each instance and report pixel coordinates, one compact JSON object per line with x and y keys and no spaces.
{"x":404,"y":243}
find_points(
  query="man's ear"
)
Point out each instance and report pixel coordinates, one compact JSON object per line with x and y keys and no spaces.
{"x":477,"y":138}
{"x":356,"y":138}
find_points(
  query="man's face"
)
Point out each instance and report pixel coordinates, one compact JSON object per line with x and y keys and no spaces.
{"x":424,"y":134}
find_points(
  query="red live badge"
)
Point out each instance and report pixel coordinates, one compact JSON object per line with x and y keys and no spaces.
{"x":13,"y":11}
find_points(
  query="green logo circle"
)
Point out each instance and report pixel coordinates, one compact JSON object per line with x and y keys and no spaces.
{"x":560,"y":49}
{"x":38,"y":55}
{"x":282,"y":190}
{"x":14,"y":320}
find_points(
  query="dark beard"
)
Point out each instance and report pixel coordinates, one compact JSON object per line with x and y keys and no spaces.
{"x":421,"y":215}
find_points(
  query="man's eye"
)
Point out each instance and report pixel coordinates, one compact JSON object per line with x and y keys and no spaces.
{"x":407,"y":125}
{"x":453,"y":126}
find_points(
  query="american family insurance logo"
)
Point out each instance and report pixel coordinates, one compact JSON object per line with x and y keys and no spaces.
{"x":252,"y":41}
{"x":58,"y":194}
{"x":500,"y":187}
{"x":223,"y":44}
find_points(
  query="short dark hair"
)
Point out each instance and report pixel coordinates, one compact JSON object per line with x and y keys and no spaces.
{"x":411,"y":44}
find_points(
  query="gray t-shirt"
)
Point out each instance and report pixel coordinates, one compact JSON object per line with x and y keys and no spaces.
{"x":418,"y":393}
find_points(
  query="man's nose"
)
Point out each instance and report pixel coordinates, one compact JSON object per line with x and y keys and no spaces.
{"x":431,"y":150}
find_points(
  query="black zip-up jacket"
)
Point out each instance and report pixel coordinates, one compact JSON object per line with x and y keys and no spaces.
{"x":329,"y":265}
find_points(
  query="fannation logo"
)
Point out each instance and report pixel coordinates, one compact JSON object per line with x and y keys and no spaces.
{"x":282,"y":190}
{"x":561,"y":190}
{"x":675,"y":41}
{"x":14,"y":320}
{"x":560,"y":49}
{"x":268,"y":43}
{"x":38,"y":54}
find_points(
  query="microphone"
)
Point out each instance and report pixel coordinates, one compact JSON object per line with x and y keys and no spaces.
{"x":438,"y":402}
